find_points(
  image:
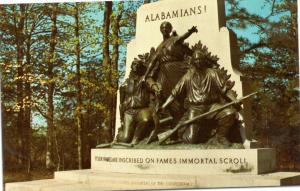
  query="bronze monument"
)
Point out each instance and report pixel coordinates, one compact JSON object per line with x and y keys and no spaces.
{"x":176,"y":83}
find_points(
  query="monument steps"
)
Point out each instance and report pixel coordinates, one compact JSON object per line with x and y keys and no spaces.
{"x":92,"y":180}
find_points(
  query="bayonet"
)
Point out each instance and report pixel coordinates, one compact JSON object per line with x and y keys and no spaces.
{"x":169,"y":133}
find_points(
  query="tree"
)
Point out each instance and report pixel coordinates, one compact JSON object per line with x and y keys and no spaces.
{"x":272,"y":63}
{"x":53,"y":79}
{"x":18,"y":38}
{"x":79,"y":117}
{"x":50,"y":89}
{"x":107,"y":67}
{"x":117,"y":16}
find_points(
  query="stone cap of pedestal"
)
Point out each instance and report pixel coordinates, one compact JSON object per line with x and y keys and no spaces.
{"x":185,"y":162}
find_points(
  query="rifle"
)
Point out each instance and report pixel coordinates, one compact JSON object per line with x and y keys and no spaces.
{"x":156,"y":129}
{"x":107,"y":145}
{"x":169,"y":133}
{"x":156,"y":120}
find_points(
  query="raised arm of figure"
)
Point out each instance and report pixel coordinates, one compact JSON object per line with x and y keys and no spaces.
{"x":187,"y":34}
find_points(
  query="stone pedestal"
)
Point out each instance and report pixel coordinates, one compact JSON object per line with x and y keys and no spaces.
{"x":138,"y":169}
{"x":184,"y":162}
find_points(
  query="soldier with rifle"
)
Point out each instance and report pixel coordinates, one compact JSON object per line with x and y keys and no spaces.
{"x":205,"y":89}
{"x":168,"y":64}
{"x":137,"y":106}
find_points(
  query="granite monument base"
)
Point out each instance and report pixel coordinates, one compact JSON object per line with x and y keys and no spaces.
{"x":184,"y":161}
{"x":126,"y":169}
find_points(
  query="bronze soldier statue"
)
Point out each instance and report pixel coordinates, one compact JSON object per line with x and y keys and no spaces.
{"x":168,"y":64}
{"x":205,"y":90}
{"x":135,"y":109}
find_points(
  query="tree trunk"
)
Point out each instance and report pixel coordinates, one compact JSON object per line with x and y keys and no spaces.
{"x":27,"y":106}
{"x":79,"y":117}
{"x":20,"y":85}
{"x":50,"y":92}
{"x":115,"y":59}
{"x":107,"y":67}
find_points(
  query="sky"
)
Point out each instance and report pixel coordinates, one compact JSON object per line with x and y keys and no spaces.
{"x":254,"y":7}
